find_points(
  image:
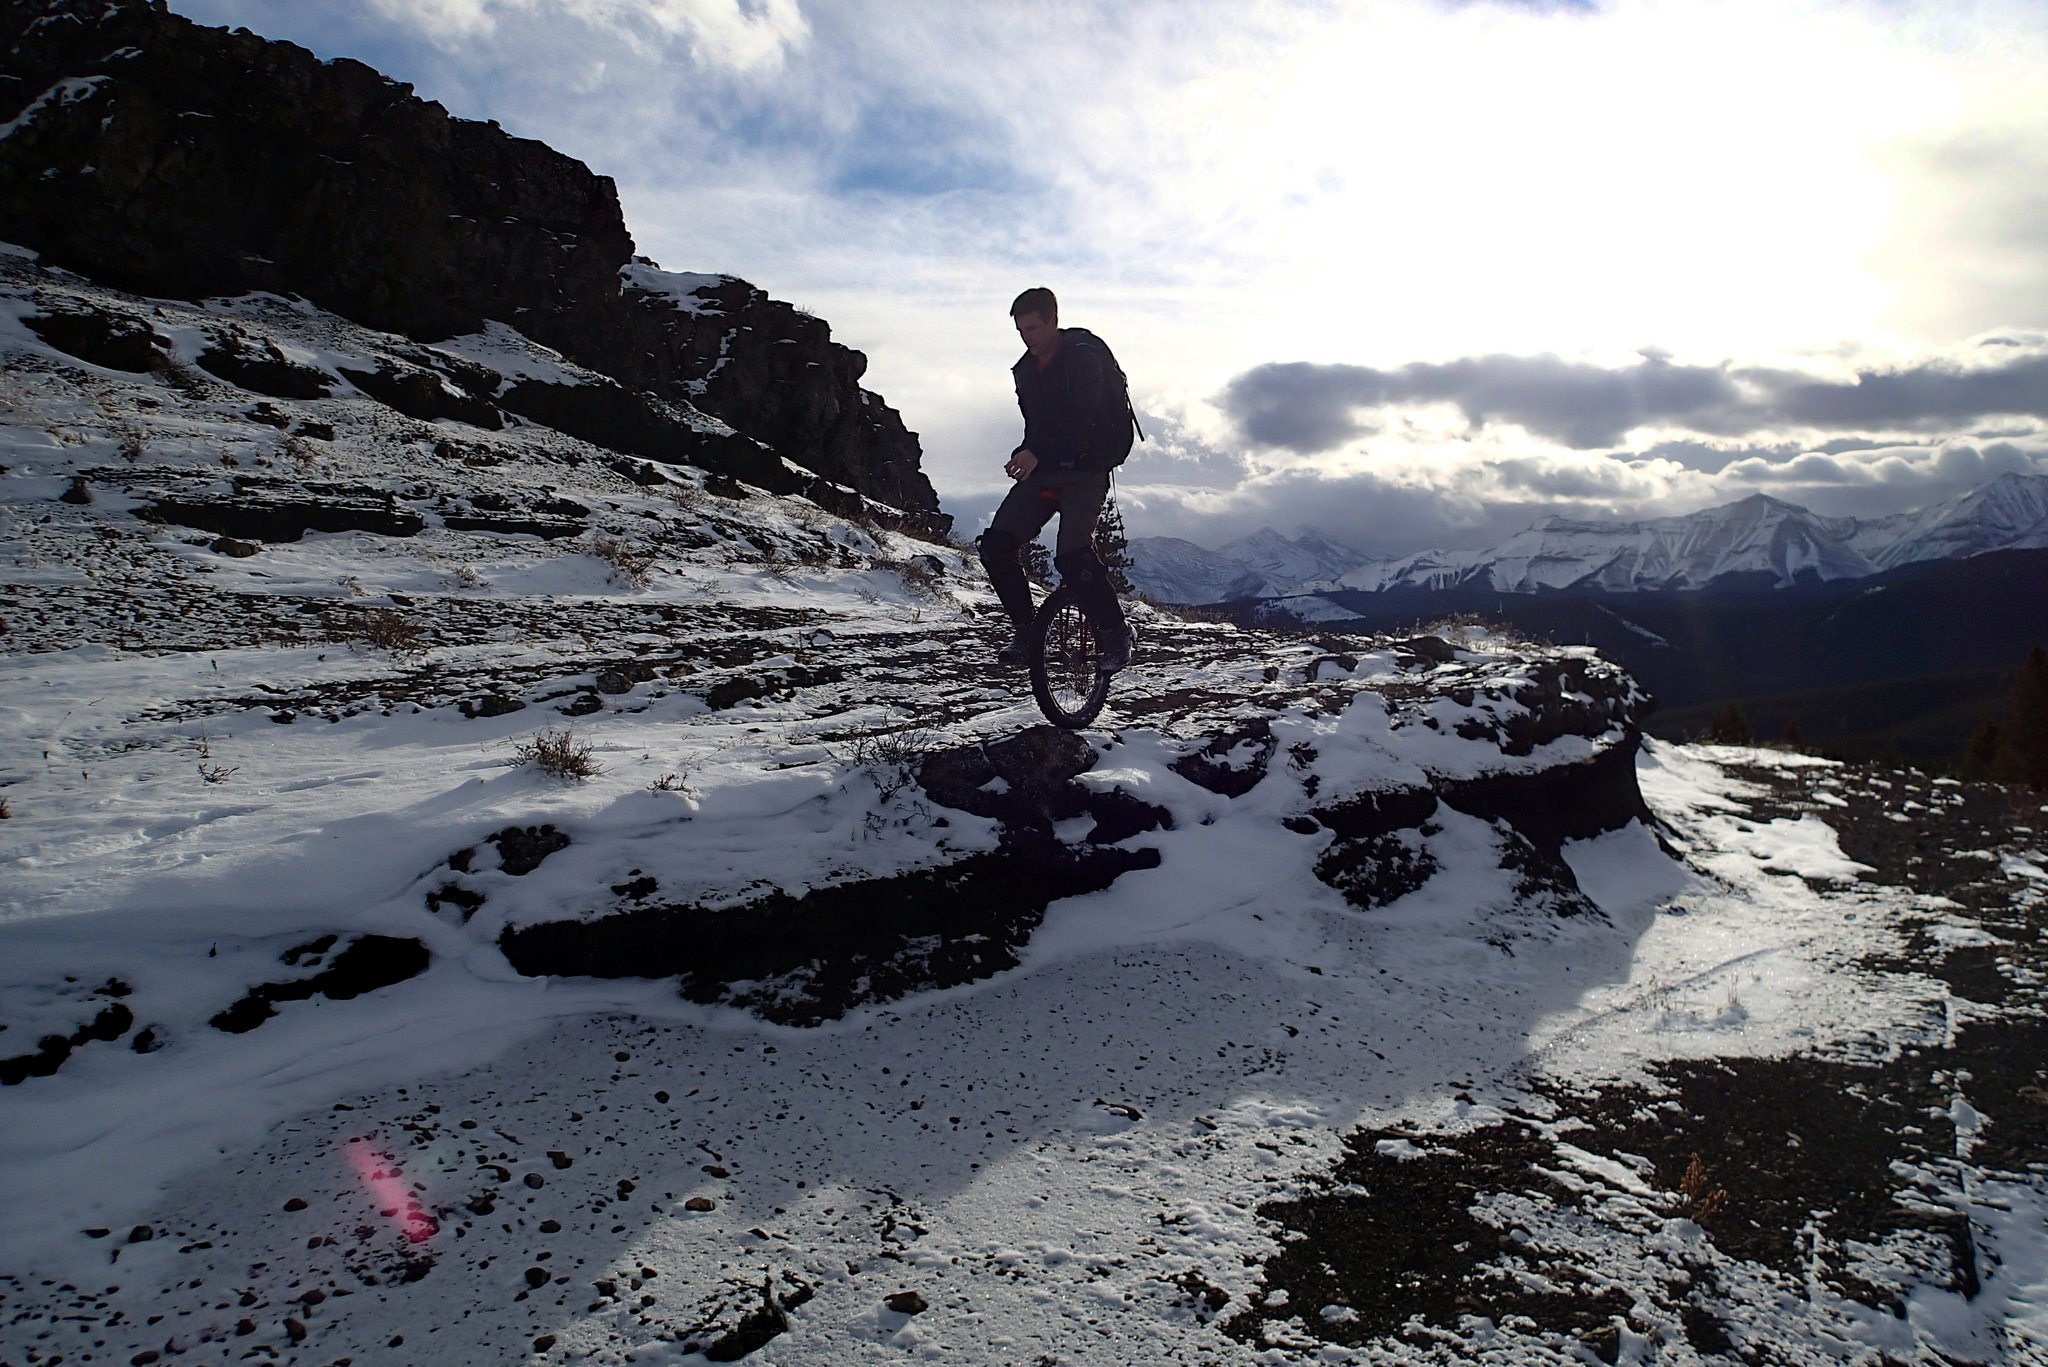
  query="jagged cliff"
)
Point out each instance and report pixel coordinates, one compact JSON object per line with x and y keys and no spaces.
{"x":152,"y":153}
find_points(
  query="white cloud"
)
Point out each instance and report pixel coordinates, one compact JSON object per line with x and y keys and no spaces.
{"x":739,"y":35}
{"x":443,"y":21}
{"x":1760,"y":185}
{"x":734,"y":35}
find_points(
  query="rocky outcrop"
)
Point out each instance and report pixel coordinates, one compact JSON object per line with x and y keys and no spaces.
{"x":1380,"y":850}
{"x":807,"y":957}
{"x":159,"y":155}
{"x":110,"y":1020}
{"x":364,"y":964}
{"x":285,"y":515}
{"x":768,"y":369}
{"x":800,"y":958}
{"x":163,"y":157}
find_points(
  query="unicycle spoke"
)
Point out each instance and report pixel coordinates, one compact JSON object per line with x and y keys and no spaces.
{"x":1063,"y":675}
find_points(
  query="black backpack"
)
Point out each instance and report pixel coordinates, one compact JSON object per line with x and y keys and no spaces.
{"x":1114,"y":423}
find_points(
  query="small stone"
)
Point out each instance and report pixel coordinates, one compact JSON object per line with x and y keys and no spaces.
{"x":297,"y":1203}
{"x":906,"y":1303}
{"x":700,"y":1203}
{"x":535,"y":1180}
{"x":536,"y":1277}
{"x":551,"y":1226}
{"x":141,"y":1234}
{"x":295,"y":1330}
{"x":543,"y":1343}
{"x":559,"y":1159}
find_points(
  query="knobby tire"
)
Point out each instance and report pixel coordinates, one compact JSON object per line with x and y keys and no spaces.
{"x":1063,"y":656}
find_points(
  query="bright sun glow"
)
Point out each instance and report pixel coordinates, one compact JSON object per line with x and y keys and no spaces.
{"x":1419,"y":185}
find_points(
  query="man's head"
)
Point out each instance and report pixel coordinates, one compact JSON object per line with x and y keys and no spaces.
{"x":1037,"y":315}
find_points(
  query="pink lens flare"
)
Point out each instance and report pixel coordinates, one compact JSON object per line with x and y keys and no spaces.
{"x":395,"y":1202}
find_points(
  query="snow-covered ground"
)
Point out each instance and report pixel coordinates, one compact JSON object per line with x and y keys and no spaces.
{"x":1154,"y":1140}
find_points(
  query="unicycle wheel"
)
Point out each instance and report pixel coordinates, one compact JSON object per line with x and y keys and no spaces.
{"x":1063,"y":675}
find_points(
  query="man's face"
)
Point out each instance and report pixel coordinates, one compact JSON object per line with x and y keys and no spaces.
{"x":1041,"y":334}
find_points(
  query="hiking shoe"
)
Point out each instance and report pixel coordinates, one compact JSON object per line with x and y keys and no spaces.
{"x":1114,"y":653}
{"x":1016,"y":652}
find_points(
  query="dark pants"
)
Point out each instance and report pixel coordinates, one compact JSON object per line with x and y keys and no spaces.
{"x":1077,"y":497}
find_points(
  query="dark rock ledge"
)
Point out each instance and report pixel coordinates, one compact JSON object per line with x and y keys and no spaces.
{"x":802,"y":959}
{"x":812,"y":957}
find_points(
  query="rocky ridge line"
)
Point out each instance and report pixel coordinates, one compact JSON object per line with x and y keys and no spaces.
{"x":151,"y":153}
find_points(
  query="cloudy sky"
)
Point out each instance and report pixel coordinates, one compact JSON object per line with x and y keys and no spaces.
{"x":1412,"y":272}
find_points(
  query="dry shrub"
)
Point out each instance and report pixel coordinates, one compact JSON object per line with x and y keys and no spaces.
{"x":182,"y":375}
{"x":389,"y":629}
{"x":890,"y":758}
{"x":628,"y":562}
{"x":919,"y":576}
{"x":558,"y":754}
{"x":1702,"y":1199}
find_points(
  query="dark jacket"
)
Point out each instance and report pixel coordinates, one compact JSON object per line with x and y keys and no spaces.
{"x":1062,"y":403}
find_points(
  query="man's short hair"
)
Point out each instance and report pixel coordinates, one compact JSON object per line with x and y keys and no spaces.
{"x":1038,"y":300}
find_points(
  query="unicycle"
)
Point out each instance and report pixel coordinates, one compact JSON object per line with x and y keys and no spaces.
{"x":1063,"y":675}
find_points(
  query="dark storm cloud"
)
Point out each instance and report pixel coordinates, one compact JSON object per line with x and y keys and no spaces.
{"x":1303,"y":407}
{"x":1918,"y":396}
{"x":1571,"y":478}
{"x":1310,"y":408}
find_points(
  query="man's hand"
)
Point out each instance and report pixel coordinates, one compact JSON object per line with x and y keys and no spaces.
{"x":1021,"y":465}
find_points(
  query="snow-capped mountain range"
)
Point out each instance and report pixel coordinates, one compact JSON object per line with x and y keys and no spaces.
{"x":1757,"y":540}
{"x":1262,"y":565}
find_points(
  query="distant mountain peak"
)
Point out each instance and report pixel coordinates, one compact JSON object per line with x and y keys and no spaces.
{"x":1261,"y":564}
{"x":1756,"y":539}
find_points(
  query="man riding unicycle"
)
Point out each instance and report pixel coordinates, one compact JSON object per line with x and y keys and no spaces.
{"x":1078,"y":425}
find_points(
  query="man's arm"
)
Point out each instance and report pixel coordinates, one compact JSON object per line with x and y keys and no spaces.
{"x":1022,"y":459}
